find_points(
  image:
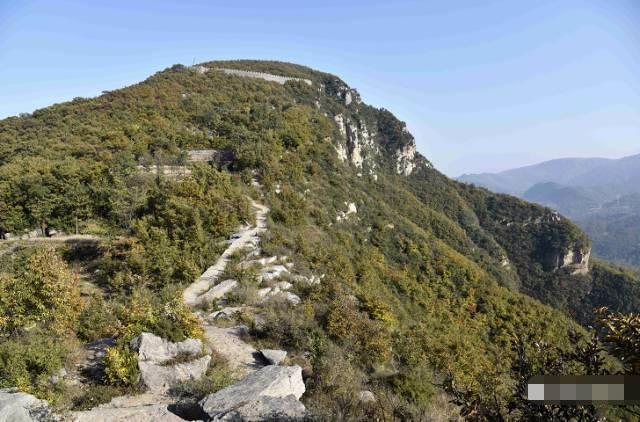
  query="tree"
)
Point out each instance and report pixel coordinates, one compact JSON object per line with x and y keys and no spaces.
{"x":46,"y":292}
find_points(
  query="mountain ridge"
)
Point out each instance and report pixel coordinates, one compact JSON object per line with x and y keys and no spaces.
{"x":419,"y":277}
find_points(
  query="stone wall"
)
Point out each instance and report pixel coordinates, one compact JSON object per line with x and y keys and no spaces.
{"x":261,"y":75}
{"x":202,"y":155}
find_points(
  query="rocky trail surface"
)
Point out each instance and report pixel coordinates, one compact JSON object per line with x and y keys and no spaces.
{"x":247,"y":237}
{"x":264,"y":390}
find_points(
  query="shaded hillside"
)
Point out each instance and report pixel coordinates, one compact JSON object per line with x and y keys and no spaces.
{"x":519,"y":180}
{"x":421,"y":277}
{"x":597,"y":194}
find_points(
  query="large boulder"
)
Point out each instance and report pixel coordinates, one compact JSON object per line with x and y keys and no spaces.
{"x":266,"y":409}
{"x":158,"y":350}
{"x":164,"y":364}
{"x":21,"y":407}
{"x":277,"y":382}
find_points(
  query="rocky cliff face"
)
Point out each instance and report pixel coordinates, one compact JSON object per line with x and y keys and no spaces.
{"x":576,"y":259}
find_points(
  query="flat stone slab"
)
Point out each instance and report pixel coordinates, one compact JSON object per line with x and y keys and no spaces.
{"x":241,"y":356}
{"x":140,"y":408}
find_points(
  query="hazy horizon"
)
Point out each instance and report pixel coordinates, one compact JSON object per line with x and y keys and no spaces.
{"x":484,"y":86}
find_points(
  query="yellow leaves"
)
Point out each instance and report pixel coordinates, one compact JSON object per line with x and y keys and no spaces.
{"x":345,"y":322}
{"x":147,"y":311}
{"x":46,"y":292}
{"x":380,"y":311}
{"x":121,"y":366}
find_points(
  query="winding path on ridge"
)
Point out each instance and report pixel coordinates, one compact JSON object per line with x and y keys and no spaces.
{"x":241,"y":357}
{"x":248,"y":236}
{"x":227,"y":342}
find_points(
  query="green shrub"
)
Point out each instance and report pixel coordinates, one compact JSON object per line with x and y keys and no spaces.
{"x":97,"y":320}
{"x":163,"y":314}
{"x":28,"y":361}
{"x":45,"y":292}
{"x":121,"y":366}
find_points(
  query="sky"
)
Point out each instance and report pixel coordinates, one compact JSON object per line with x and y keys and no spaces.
{"x":484,"y":85}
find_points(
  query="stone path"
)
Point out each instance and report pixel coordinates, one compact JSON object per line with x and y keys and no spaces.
{"x":241,"y":357}
{"x":248,"y":236}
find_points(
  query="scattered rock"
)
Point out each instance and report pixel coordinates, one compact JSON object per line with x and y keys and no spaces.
{"x":351,"y":209}
{"x":283,"y":285}
{"x":270,"y":381}
{"x":261,"y":262}
{"x":292,"y":298}
{"x":366,"y":396}
{"x":264,"y":292}
{"x":273,"y":272}
{"x":92,"y":365}
{"x":21,"y":407}
{"x":274,"y":357}
{"x":155,"y":356}
{"x":58,"y":376}
{"x":227,"y":312}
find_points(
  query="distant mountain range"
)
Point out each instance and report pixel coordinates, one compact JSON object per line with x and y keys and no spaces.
{"x":601,"y":174}
{"x":601,"y":195}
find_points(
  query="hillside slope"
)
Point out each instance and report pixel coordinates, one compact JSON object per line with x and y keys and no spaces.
{"x":421,"y":277}
{"x":594,"y":193}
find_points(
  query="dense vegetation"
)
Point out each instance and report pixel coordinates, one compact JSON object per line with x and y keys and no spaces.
{"x":600,"y":195}
{"x":414,"y":289}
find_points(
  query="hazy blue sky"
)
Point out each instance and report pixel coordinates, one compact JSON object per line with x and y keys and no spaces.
{"x":483,"y":85}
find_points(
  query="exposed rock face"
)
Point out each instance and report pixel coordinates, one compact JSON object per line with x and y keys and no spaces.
{"x":358,"y":140}
{"x":342,"y":153}
{"x":576,"y":259}
{"x":348,"y":95}
{"x":250,"y":393}
{"x":202,"y":155}
{"x":155,"y":356}
{"x":21,"y":407}
{"x":274,"y":357}
{"x":405,"y":159}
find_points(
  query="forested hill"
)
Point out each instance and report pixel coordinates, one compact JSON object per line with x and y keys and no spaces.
{"x":422,"y":277}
